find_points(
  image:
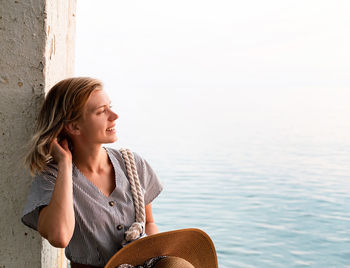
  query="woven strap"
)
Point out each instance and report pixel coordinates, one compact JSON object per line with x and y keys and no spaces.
{"x":136,"y":230}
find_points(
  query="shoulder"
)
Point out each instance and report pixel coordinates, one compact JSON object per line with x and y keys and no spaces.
{"x":142,"y":165}
{"x":48,"y":174}
{"x":51,"y":169}
{"x":147,"y":177}
{"x":117,"y":154}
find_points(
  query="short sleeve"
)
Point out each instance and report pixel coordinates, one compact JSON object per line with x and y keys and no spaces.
{"x":39,"y":195}
{"x":148,"y":179}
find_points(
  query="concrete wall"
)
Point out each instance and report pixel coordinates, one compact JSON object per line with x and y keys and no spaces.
{"x":36,"y":50}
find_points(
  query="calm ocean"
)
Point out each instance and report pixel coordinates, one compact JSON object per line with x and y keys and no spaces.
{"x":266,"y":175}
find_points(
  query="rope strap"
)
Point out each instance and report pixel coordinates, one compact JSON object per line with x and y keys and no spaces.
{"x":137,"y":229}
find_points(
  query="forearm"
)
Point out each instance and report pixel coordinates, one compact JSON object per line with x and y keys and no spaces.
{"x":56,"y":221}
{"x":151,"y":228}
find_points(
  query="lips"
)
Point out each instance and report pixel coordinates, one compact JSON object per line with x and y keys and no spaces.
{"x":111,"y":129}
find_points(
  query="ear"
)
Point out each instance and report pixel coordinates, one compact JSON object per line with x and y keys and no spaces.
{"x":72,"y":128}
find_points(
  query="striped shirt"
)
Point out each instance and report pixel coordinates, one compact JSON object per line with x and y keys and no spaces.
{"x":100,"y":221}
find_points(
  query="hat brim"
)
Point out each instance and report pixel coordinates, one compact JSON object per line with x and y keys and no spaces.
{"x":193,"y":245}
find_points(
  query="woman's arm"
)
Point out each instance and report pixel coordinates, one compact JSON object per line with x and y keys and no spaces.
{"x":151,"y":227}
{"x":56,"y":221}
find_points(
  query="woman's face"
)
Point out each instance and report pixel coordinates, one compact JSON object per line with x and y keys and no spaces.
{"x":97,"y":125}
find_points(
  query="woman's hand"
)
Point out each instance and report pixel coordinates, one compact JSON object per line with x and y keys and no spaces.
{"x":60,"y":151}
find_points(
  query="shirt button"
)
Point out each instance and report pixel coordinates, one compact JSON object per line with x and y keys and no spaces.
{"x":119,"y":227}
{"x":111,"y":203}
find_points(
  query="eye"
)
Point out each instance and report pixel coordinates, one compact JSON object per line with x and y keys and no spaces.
{"x":102,"y":111}
{"x":105,"y":109}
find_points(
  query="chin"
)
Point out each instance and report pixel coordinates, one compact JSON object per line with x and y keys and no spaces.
{"x":111,"y":139}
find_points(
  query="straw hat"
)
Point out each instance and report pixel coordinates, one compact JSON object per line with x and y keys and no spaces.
{"x":184,"y":248}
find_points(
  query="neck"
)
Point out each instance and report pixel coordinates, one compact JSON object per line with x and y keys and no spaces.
{"x":91,"y":158}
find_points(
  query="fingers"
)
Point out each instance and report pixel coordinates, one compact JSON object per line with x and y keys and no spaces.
{"x":64,"y":144}
{"x":60,"y":150}
{"x":55,"y":145}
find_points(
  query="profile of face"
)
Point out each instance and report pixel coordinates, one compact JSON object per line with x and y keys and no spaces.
{"x":97,"y":124}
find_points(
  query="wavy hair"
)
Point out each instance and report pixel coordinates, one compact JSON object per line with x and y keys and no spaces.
{"x":63,"y":103}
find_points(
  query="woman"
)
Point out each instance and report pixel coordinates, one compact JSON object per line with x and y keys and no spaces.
{"x":80,"y":198}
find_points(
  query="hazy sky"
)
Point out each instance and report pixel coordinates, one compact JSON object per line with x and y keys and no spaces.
{"x":205,"y":69}
{"x":215,"y":44}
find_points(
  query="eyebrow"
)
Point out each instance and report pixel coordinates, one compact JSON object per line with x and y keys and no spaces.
{"x":101,"y":106}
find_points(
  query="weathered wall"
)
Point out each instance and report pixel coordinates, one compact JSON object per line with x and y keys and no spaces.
{"x":60,"y":33}
{"x":36,"y":50}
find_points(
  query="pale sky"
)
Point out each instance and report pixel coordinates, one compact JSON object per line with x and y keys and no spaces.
{"x":215,"y":44}
{"x":175,"y":68}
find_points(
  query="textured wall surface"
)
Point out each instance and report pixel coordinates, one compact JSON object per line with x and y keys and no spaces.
{"x":60,"y":33}
{"x":36,"y":50}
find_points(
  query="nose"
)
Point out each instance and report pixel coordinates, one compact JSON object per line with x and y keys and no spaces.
{"x":113,"y":116}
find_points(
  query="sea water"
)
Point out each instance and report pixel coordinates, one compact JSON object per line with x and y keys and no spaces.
{"x":267,"y":177}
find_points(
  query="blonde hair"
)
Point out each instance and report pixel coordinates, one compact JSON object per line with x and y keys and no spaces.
{"x":64,"y":103}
